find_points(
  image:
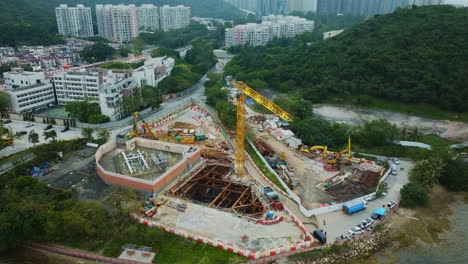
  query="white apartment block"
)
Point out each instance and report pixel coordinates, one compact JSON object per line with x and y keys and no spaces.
{"x":148,"y":17}
{"x":272,"y":26}
{"x":154,"y":71}
{"x":101,"y":86}
{"x":174,"y":17}
{"x":74,"y":21}
{"x":117,"y":22}
{"x":28,"y":91}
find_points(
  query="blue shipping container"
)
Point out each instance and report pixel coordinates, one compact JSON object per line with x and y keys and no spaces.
{"x":354,"y":206}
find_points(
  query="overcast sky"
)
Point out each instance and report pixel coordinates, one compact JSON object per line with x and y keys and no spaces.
{"x":457,"y":2}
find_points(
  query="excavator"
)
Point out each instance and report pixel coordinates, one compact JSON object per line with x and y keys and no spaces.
{"x":244,"y":91}
{"x":136,"y":130}
{"x":331,"y":157}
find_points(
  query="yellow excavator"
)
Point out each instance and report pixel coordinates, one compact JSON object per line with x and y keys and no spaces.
{"x":335,"y":156}
{"x":244,"y":91}
{"x":136,"y":130}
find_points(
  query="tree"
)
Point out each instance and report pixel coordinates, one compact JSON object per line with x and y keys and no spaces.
{"x":102,"y":135}
{"x":98,"y":119}
{"x":138,"y":44}
{"x":120,"y":197}
{"x":376,"y":133}
{"x":83,"y":110}
{"x":97,"y":52}
{"x":428,"y":172}
{"x":454,"y":176}
{"x":87,"y":133}
{"x":413,"y":195}
{"x":4,"y":100}
{"x":50,"y":134}
{"x":33,"y":137}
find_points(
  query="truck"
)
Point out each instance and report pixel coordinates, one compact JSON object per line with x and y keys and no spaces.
{"x":354,"y":206}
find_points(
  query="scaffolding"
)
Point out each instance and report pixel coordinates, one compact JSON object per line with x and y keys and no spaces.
{"x":135,"y":161}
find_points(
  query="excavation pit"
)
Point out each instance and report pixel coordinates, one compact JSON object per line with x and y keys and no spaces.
{"x":211,"y":187}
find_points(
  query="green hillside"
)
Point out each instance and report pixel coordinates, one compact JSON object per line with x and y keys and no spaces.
{"x":414,"y":55}
{"x":32,"y":22}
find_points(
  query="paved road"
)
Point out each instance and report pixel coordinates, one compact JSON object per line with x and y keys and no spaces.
{"x":337,"y":223}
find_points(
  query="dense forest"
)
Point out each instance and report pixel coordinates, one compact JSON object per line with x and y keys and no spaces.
{"x":414,"y":55}
{"x":32,"y":22}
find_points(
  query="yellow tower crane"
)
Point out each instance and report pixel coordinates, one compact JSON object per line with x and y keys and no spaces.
{"x":240,"y":133}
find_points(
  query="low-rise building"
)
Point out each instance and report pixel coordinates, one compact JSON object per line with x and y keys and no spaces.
{"x":28,"y":91}
{"x":98,"y":85}
{"x":272,"y":26}
{"x":331,"y":34}
{"x":153,"y":71}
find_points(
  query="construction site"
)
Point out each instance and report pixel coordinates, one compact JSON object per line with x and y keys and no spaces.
{"x":198,"y":179}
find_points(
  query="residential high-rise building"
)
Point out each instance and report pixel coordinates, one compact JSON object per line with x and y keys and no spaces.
{"x":74,"y":21}
{"x":302,"y":5}
{"x":266,"y":7}
{"x":368,"y":7}
{"x":272,"y":26}
{"x":174,"y":17}
{"x":117,"y":22}
{"x":250,"y":5}
{"x":148,"y":17}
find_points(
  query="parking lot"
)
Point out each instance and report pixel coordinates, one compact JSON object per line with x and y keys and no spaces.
{"x":338,"y":223}
{"x":21,"y":143}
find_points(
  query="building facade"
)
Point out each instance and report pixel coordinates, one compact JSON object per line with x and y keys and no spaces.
{"x":28,"y":91}
{"x":272,"y":26}
{"x":148,"y":17}
{"x":117,"y":22}
{"x":98,"y":85}
{"x":74,"y":21}
{"x":302,"y":5}
{"x":174,"y":17}
{"x":153,"y":71}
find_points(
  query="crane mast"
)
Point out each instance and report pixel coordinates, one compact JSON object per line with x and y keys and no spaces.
{"x":240,"y":129}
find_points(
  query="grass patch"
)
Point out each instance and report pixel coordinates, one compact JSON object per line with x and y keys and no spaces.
{"x":263,"y":167}
{"x":367,"y":157}
{"x":422,"y":110}
{"x":393,"y":150}
{"x":172,"y":248}
{"x":437,"y":142}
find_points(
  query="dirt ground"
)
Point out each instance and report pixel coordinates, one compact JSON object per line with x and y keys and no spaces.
{"x":227,"y":227}
{"x":309,"y":172}
{"x":355,"y":116}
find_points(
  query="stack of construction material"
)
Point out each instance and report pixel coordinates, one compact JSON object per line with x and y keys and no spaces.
{"x":370,"y":166}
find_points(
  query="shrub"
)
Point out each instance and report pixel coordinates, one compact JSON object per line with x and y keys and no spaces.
{"x":413,"y":195}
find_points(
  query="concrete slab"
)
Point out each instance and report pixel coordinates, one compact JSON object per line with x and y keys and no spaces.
{"x":219,"y":225}
{"x":138,"y":255}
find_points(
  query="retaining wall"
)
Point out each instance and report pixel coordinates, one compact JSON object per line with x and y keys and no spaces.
{"x":188,"y":161}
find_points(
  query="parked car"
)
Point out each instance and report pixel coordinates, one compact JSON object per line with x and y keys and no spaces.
{"x":65,"y":129}
{"x":48,"y":127}
{"x":260,"y":128}
{"x":355,"y":231}
{"x":21,"y":133}
{"x":6,"y":121}
{"x":29,"y":124}
{"x":395,"y":160}
{"x":320,"y":236}
{"x":367,"y":222}
{"x":391,"y":204}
